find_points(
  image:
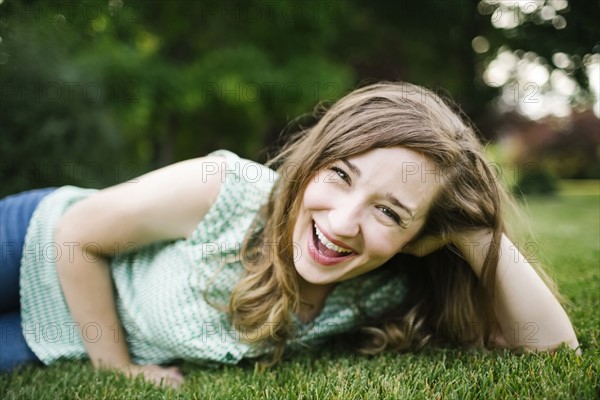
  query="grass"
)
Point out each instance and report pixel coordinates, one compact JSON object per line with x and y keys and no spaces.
{"x":567,"y":228}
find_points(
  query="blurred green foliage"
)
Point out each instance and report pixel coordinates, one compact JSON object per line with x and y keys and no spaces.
{"x":96,"y":92}
{"x":537,"y":181}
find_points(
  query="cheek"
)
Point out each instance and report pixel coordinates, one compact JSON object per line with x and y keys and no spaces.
{"x":382,"y":243}
{"x":387,"y":244}
{"x":315,"y":195}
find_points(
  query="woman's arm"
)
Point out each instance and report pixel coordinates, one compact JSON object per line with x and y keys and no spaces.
{"x":529,"y":314}
{"x":165,"y":204}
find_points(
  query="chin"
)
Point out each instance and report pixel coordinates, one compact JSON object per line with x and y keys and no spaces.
{"x":310,"y":274}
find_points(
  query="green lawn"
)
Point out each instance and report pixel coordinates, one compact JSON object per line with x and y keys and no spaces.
{"x":567,"y":228}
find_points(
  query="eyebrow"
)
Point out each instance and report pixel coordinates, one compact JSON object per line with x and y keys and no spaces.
{"x":389,"y":196}
{"x":392,"y":199}
{"x":351,"y":167}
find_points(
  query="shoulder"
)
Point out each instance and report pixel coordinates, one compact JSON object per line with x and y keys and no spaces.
{"x":243,"y":182}
{"x":231,"y":167}
{"x":245,"y":187}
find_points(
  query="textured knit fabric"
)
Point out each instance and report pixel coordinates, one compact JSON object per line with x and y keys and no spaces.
{"x":162,"y":289}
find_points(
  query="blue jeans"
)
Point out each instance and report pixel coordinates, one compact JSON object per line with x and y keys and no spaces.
{"x":15,"y":213}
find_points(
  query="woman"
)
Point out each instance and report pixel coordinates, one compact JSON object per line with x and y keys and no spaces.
{"x":384,"y":218}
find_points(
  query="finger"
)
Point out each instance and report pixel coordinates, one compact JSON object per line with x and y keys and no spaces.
{"x":177,"y":378}
{"x":172,"y":375}
{"x":176,"y":372}
{"x":171,"y":381}
{"x":174,"y":368}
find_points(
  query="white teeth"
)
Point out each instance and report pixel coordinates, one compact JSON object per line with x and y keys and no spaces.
{"x":330,"y":245}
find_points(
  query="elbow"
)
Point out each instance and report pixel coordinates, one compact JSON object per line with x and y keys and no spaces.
{"x":60,"y":230}
{"x":572,"y":344}
{"x":72,"y":245}
{"x":65,"y":231}
{"x":65,"y":239}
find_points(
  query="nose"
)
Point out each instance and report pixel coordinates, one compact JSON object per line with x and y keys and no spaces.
{"x":344,"y":220}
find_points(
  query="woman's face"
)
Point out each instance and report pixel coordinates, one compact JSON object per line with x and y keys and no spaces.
{"x":360,"y":211}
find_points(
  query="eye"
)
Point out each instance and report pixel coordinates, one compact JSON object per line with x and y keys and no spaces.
{"x":390,"y":214}
{"x":341,"y":173}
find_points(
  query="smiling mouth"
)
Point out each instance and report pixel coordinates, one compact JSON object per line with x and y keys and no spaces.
{"x":325,"y":252}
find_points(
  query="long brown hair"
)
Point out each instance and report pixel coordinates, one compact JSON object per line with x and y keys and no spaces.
{"x":446,"y":301}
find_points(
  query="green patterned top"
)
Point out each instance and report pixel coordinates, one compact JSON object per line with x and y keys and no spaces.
{"x":162,"y":289}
